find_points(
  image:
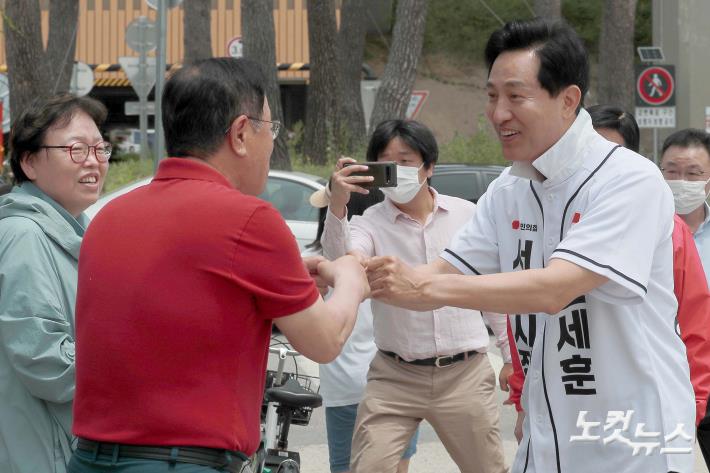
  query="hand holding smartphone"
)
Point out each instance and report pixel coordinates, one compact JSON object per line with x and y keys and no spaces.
{"x":383,"y":172}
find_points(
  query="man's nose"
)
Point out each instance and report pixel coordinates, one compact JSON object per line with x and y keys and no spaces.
{"x":500,"y":113}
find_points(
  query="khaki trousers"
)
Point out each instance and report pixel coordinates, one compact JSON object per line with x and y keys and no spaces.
{"x":458,"y":401}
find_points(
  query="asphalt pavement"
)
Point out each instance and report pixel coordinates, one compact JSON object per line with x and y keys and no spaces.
{"x":310,"y":441}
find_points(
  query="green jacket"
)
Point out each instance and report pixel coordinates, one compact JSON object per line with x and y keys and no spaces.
{"x":39,"y":250}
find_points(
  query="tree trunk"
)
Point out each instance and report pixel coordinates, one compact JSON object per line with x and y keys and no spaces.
{"x":548,"y":9}
{"x":322,"y":134}
{"x":351,"y":48}
{"x":616,"y":63}
{"x":398,"y":79}
{"x":197,"y":38}
{"x":61,"y":43}
{"x":33,"y":73}
{"x":259,"y":42}
{"x":27,"y":71}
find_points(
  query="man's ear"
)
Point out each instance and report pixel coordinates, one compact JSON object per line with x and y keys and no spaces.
{"x":237,"y":135}
{"x":27,"y":163}
{"x":430,"y":171}
{"x":571,"y":98}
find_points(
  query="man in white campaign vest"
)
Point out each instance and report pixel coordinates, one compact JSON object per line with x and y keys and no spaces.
{"x":574,"y":240}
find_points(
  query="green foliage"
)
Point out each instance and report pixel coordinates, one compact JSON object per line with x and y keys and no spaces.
{"x":127,"y":170}
{"x":479,"y":148}
{"x":586,"y":18}
{"x":460,"y":29}
{"x":643,"y":34}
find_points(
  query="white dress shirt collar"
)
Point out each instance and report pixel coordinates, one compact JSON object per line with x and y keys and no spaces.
{"x":564,"y":158}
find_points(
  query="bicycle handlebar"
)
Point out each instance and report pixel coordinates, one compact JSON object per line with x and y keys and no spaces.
{"x":283,"y":352}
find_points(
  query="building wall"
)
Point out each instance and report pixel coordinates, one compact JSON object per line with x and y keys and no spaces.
{"x":680,"y":27}
{"x":102,"y":25}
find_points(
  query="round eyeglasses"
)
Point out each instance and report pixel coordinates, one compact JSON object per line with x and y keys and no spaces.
{"x":78,"y":152}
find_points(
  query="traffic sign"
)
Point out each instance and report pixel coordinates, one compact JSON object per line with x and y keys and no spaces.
{"x":82,"y":79}
{"x":142,"y":35}
{"x":655,"y":117}
{"x":142,"y":81}
{"x":235,"y":48}
{"x":5,"y":97}
{"x":168,"y":3}
{"x":135,"y":108}
{"x":655,"y":86}
{"x":415,"y":103}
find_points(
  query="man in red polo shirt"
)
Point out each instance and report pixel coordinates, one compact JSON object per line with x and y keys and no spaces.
{"x":179,"y":282}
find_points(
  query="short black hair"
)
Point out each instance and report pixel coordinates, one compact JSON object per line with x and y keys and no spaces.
{"x":687,"y":138}
{"x":414,"y":134}
{"x":203,"y":98}
{"x":563,"y":57}
{"x":29,"y":129}
{"x":614,"y":118}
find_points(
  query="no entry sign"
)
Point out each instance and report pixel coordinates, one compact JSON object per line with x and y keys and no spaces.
{"x":655,"y":86}
{"x":655,"y":96}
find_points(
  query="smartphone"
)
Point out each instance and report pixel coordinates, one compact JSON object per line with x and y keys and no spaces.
{"x":384,"y":172}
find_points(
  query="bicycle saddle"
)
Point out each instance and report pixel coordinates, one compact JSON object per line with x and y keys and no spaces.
{"x":292,"y":394}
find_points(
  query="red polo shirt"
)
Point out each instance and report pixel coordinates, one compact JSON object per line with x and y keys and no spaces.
{"x":179,"y":281}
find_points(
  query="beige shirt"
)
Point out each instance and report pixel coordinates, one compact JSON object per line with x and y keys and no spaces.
{"x":384,"y":230}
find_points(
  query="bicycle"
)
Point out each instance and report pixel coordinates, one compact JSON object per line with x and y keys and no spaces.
{"x":288,"y":399}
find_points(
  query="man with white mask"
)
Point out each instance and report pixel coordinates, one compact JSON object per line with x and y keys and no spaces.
{"x":430,"y":364}
{"x":685,"y":163}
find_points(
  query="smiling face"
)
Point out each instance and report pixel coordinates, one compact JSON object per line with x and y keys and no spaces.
{"x":526,"y":118}
{"x":73,"y":186}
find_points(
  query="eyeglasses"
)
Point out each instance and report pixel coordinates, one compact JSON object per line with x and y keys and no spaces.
{"x":78,"y":152}
{"x":692,"y":175}
{"x":275,"y":126}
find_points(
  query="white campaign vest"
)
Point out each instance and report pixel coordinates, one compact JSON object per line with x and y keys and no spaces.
{"x":607,"y":386}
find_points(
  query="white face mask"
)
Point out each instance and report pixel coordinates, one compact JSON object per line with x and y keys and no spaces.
{"x":687,"y":195}
{"x":407,"y":185}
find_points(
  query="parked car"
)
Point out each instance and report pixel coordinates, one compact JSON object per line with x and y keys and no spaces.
{"x":128,"y":141}
{"x":288,"y":192}
{"x":466,"y":181}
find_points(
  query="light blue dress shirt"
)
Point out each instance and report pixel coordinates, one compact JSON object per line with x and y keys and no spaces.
{"x":702,"y":241}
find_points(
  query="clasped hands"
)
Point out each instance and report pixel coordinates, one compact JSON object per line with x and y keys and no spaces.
{"x":388,"y":279}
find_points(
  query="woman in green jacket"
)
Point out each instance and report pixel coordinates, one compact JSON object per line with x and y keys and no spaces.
{"x":59,"y":160}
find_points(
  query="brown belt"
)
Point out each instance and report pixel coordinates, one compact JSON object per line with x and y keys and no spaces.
{"x":230,"y":461}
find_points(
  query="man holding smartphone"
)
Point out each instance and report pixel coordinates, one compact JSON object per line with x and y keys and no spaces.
{"x":430,"y":364}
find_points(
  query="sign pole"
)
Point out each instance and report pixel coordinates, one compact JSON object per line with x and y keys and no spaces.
{"x":143,"y":99}
{"x":655,"y":145}
{"x":159,"y":82}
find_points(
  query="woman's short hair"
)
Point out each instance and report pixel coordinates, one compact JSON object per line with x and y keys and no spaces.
{"x":29,"y":129}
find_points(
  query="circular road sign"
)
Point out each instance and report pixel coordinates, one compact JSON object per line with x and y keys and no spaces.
{"x":655,"y":85}
{"x":142,"y":35}
{"x":169,"y":3}
{"x":235,"y":48}
{"x":82,"y":79}
{"x":5,"y":97}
